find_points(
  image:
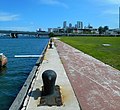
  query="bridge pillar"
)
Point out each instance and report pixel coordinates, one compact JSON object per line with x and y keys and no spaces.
{"x":14,"y":35}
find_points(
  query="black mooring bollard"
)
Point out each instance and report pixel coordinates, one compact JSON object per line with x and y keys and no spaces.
{"x":49,"y":77}
{"x":50,"y":44}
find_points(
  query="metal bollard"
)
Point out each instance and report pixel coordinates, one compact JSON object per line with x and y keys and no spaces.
{"x":51,"y":95}
{"x":50,"y":45}
{"x":49,"y":77}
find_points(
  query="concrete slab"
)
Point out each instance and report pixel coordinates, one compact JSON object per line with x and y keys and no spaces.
{"x":96,"y":85}
{"x":52,"y":61}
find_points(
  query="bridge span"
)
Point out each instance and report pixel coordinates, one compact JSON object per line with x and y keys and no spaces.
{"x":14,"y":34}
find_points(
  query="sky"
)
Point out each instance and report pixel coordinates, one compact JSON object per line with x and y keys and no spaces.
{"x":29,"y":15}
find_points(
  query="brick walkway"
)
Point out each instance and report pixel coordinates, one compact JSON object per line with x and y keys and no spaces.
{"x":96,"y":85}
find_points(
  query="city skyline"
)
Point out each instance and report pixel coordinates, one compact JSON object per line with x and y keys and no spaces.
{"x":30,"y":15}
{"x":78,"y":24}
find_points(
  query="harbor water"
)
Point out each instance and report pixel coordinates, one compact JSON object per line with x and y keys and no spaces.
{"x":13,"y":76}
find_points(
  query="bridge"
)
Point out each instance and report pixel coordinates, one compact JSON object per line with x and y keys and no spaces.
{"x":14,"y":34}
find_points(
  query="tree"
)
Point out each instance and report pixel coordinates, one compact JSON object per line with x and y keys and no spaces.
{"x":101,"y":30}
{"x":106,"y":28}
{"x":51,"y":34}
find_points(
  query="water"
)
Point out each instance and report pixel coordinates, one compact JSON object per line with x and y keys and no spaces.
{"x":17,"y":70}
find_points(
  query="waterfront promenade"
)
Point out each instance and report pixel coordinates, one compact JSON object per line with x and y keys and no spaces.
{"x":85,"y":82}
{"x":52,"y":61}
{"x":96,"y":85}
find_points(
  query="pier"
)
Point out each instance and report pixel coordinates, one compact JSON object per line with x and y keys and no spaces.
{"x":85,"y":82}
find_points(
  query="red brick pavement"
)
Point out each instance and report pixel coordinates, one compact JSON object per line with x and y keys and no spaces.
{"x":96,"y":85}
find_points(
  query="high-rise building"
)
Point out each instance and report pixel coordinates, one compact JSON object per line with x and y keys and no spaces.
{"x":50,"y":30}
{"x":70,"y":25}
{"x":65,"y":24}
{"x":38,"y":30}
{"x":79,"y":25}
{"x":76,"y":26}
{"x":119,"y":17}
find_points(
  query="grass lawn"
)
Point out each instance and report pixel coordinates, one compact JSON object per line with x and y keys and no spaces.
{"x":93,"y":46}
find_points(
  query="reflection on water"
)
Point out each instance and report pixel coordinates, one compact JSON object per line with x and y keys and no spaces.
{"x":3,"y":70}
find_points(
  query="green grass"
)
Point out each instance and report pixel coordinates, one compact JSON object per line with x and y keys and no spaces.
{"x":93,"y":46}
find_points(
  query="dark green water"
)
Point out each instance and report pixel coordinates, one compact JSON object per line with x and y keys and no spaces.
{"x":13,"y":76}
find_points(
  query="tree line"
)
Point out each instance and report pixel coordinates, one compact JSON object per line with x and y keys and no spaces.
{"x":102,"y":30}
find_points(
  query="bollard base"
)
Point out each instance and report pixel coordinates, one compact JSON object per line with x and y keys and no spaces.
{"x":52,"y":100}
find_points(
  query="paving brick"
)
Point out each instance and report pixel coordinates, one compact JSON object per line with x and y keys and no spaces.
{"x":96,"y":85}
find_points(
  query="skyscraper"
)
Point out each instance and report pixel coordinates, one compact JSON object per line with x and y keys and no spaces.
{"x":79,"y":24}
{"x":64,"y":24}
{"x":119,"y":17}
{"x":70,"y":25}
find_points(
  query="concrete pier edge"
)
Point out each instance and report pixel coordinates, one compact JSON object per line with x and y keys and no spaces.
{"x":52,"y":62}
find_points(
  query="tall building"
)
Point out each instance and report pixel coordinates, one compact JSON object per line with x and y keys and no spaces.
{"x":70,"y":25}
{"x":38,"y":30}
{"x":65,"y":24}
{"x":119,"y":17}
{"x":76,"y":26}
{"x":50,"y":30}
{"x":79,"y":25}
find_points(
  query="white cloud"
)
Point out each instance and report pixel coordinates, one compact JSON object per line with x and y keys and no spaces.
{"x":104,"y":2}
{"x":8,"y":17}
{"x":54,"y":2}
{"x":112,"y":12}
{"x":113,"y":1}
{"x":18,"y":28}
